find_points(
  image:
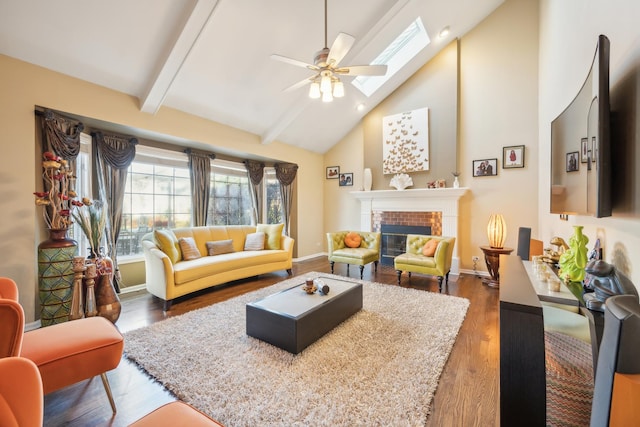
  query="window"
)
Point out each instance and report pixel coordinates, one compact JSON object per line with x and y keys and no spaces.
{"x":83,"y":189}
{"x":272,"y":210}
{"x":230,"y":200}
{"x":402,"y":50}
{"x":157,"y":195}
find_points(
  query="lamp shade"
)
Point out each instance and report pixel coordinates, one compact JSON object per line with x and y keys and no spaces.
{"x":314,"y":90}
{"x":338,"y":89}
{"x":497,"y":231}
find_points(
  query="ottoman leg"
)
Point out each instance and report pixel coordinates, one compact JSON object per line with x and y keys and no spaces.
{"x":361,"y":271}
{"x":107,"y":388}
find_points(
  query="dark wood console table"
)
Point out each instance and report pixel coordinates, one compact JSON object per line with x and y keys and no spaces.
{"x":523,"y":389}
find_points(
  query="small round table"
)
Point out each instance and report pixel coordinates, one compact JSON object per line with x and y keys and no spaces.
{"x":492,"y":259}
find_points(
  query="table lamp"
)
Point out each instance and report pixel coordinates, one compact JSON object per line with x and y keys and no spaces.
{"x":497,"y":231}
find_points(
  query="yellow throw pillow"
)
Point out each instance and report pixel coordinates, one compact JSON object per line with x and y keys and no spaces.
{"x":189,"y":248}
{"x":168,"y":244}
{"x":220,"y":247}
{"x":429,"y":248}
{"x":273,"y":235}
{"x":352,"y":240}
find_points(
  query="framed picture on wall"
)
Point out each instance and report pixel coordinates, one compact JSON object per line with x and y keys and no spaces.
{"x":572,"y":161}
{"x":485,"y":167}
{"x":333,"y":172}
{"x":513,"y":157}
{"x":346,"y":179}
{"x":585,"y":150}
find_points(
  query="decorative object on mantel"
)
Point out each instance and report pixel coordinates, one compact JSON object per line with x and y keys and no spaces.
{"x":405,"y":145}
{"x":497,"y":231}
{"x":367,"y":179}
{"x":400,"y":181}
{"x":456,"y":182}
{"x":574,"y":260}
{"x":90,"y":278}
{"x":77,"y":301}
{"x":55,"y":255}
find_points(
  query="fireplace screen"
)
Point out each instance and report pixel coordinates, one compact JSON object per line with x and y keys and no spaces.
{"x":394,"y":240}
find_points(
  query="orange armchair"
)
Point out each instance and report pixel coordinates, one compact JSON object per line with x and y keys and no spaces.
{"x":22,"y":402}
{"x":65,"y":353}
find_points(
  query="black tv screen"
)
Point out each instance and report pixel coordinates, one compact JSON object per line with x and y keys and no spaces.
{"x":581,"y":145}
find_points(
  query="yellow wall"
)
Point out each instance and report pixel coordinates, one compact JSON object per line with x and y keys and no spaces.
{"x":497,"y":107}
{"x":569,"y":30}
{"x":23,"y":86}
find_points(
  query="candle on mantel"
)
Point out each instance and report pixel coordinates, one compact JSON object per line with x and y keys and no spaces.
{"x":78,"y":263}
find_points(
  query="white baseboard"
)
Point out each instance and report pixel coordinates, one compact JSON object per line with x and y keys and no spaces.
{"x":475,"y":273}
{"x":308,"y":257}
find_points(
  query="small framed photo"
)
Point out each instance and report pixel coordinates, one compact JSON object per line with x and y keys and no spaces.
{"x":513,"y":157}
{"x":572,"y":161}
{"x":485,"y":167}
{"x":585,"y":150}
{"x":346,"y":179}
{"x":333,"y":172}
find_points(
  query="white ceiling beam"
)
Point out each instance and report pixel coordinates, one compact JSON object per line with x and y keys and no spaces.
{"x":201,"y":15}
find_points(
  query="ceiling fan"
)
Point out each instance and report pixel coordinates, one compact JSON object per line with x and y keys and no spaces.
{"x":325,"y":82}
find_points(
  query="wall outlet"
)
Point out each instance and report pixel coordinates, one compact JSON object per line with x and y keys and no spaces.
{"x":475,"y":258}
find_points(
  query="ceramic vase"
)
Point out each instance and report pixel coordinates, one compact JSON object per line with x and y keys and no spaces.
{"x":367,"y":179}
{"x":456,"y":183}
{"x":55,"y":277}
{"x":574,"y":260}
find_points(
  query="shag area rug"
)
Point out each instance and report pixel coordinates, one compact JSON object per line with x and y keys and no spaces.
{"x":379,"y":367}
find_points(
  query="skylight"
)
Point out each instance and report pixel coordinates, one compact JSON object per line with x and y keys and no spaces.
{"x":395,"y":56}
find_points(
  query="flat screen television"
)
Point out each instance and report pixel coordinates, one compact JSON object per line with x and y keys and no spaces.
{"x":581,"y":146}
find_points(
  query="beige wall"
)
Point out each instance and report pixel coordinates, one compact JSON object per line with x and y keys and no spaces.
{"x":568,"y":34}
{"x":497,"y":105}
{"x":23,"y":86}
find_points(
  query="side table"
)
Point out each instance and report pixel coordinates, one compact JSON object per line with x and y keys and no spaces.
{"x":492,"y":259}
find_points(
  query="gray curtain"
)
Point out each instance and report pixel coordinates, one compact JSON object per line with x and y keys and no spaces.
{"x":286,"y":174}
{"x":255,"y":171}
{"x":61,"y":134}
{"x":200,"y":174}
{"x":113,"y":154}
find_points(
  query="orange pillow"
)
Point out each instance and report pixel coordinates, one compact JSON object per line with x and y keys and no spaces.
{"x":352,"y":240}
{"x":430,"y":247}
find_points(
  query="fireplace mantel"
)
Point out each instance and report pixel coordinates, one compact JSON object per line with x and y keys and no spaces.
{"x":443,"y":200}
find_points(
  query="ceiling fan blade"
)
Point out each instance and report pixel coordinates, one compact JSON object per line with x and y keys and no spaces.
{"x":340,"y":47}
{"x":299,"y":84}
{"x":362,"y":70}
{"x":294,"y":62}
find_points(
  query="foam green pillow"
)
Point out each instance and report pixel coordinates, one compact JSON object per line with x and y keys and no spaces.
{"x":273,"y":235}
{"x":168,"y":243}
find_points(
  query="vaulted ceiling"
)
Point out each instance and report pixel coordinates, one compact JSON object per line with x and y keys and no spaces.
{"x":211,"y":58}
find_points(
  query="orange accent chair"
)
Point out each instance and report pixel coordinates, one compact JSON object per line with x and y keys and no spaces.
{"x":22,"y":401}
{"x":65,"y":353}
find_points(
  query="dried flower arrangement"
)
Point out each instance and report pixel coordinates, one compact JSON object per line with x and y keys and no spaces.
{"x":58,"y":198}
{"x":92,"y":219}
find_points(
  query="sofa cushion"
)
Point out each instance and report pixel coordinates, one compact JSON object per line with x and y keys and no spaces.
{"x":220,"y":247}
{"x":187,"y":271}
{"x":254,"y":241}
{"x":273,"y":235}
{"x":352,"y":240}
{"x":188,"y":248}
{"x":168,"y":243}
{"x":429,"y":248}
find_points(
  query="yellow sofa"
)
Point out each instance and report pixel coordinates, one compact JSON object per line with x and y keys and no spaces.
{"x":369,"y":250}
{"x":169,"y":280}
{"x":413,"y":261}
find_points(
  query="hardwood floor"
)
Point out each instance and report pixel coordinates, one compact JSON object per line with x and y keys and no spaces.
{"x":467,"y":394}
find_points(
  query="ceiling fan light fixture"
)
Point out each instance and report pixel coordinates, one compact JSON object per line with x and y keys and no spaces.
{"x":338,"y":89}
{"x":326,"y":96}
{"x":314,"y":90}
{"x":325,"y":83}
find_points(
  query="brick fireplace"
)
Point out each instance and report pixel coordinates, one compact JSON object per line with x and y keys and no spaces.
{"x":433,"y":207}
